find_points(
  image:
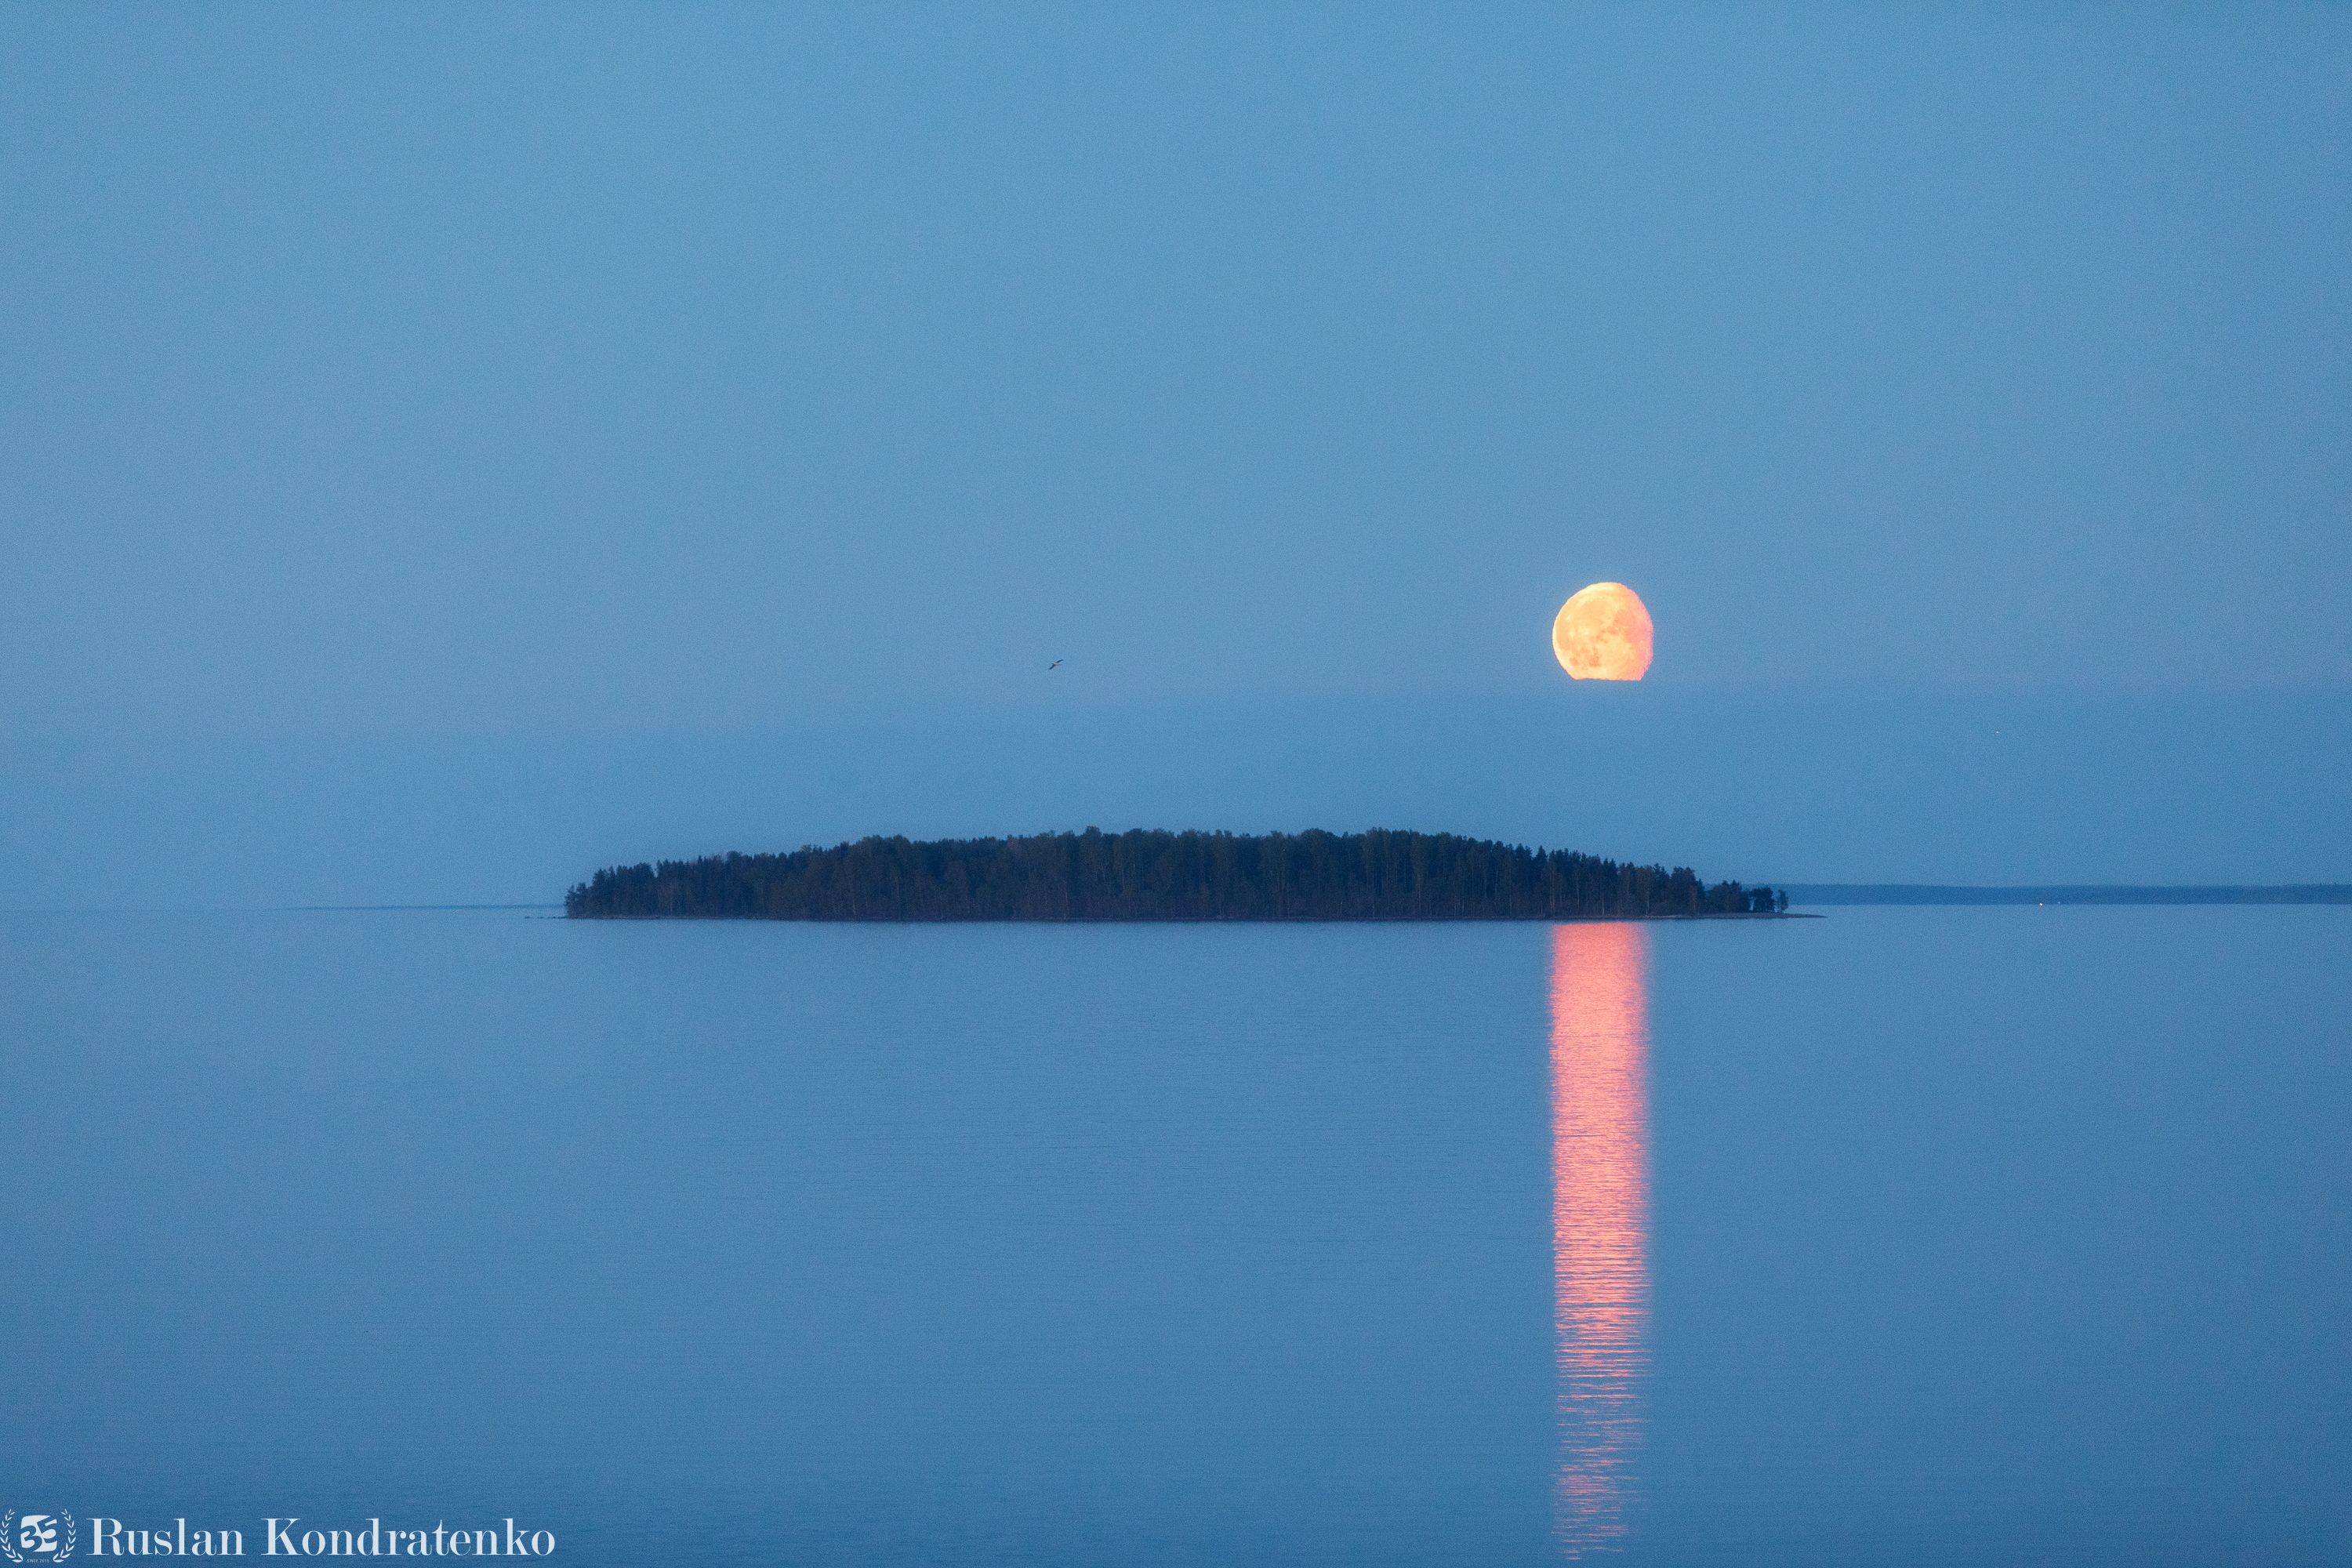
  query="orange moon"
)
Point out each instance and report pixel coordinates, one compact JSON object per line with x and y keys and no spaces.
{"x":1602,"y":633}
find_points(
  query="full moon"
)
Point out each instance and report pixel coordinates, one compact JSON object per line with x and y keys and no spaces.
{"x":1602,"y":633}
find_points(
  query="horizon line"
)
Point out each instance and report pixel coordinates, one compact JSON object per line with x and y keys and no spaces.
{"x":2068,"y":893}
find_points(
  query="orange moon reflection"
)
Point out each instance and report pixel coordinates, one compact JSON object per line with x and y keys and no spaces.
{"x":1602,"y":633}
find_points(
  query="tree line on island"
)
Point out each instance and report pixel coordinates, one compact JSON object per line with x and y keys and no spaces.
{"x":1159,"y":876}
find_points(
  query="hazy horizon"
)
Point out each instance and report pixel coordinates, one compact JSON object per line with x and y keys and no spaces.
{"x":1804,"y":789}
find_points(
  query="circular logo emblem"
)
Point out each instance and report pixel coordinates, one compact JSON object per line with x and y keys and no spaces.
{"x":36,"y":1538}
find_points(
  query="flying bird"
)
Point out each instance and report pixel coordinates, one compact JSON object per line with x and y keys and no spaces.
{"x":1053,"y":666}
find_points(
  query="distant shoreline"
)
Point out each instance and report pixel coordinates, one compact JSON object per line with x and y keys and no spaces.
{"x":1921,"y":893}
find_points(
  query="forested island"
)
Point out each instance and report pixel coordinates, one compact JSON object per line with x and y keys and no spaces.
{"x":1158,"y":875}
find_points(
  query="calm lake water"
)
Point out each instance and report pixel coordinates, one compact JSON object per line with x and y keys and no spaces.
{"x":1904,"y":1236}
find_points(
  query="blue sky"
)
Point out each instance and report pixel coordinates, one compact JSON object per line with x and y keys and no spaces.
{"x":638,"y":431}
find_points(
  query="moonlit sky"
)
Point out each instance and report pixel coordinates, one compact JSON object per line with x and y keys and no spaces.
{"x":444,"y":450}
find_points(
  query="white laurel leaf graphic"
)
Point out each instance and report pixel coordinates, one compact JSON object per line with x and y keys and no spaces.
{"x":70,"y":1529}
{"x":8,"y":1536}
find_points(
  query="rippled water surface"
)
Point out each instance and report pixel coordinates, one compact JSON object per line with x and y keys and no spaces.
{"x":1901,"y":1237}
